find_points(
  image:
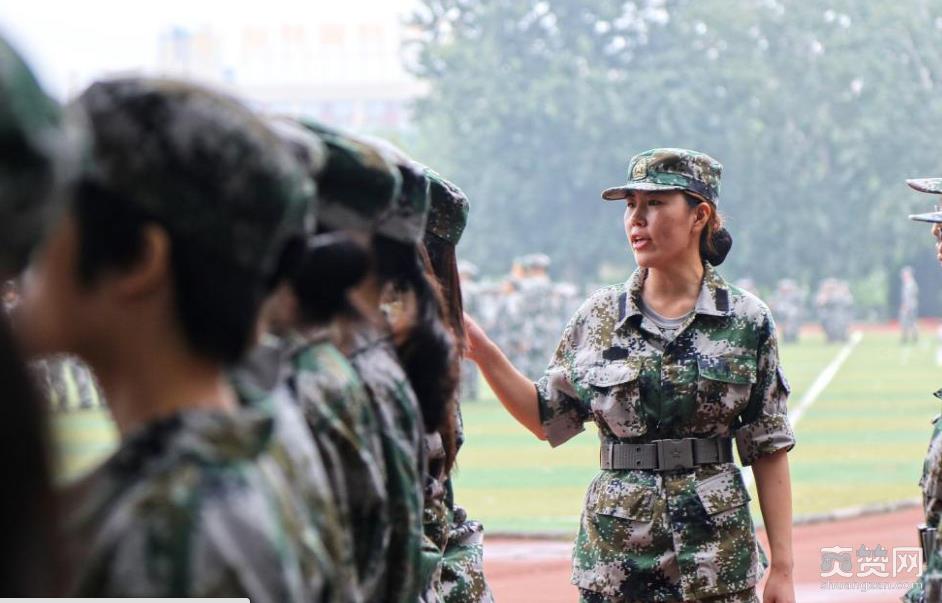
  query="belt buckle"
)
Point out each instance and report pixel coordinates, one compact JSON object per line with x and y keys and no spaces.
{"x":674,"y":454}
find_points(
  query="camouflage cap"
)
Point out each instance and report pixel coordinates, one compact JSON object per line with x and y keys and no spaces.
{"x":671,"y":170}
{"x":537,"y":260}
{"x":406,"y":219}
{"x":34,"y":151}
{"x":448,"y":215}
{"x":200,"y":163}
{"x":311,"y":153}
{"x":358,"y":184}
{"x":927,"y":185}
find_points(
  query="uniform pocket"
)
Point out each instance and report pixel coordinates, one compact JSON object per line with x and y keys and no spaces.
{"x":622,"y":539}
{"x":724,"y":385}
{"x":725,"y":549}
{"x":616,"y":397}
{"x":723,"y":492}
{"x":623,"y":500}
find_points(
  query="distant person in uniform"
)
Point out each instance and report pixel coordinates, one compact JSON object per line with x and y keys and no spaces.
{"x":672,"y":366}
{"x":38,"y":153}
{"x":928,"y":589}
{"x":788,"y":306}
{"x":908,"y":306}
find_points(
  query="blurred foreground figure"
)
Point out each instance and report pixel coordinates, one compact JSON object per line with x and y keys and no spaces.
{"x":308,"y":324}
{"x":36,"y":147}
{"x":154,"y":276}
{"x":929,"y":587}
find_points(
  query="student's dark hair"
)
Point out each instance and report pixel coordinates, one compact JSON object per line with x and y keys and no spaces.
{"x":30,"y":558}
{"x":444,"y":265}
{"x":217,"y":303}
{"x":320,"y":271}
{"x":448,"y":429}
{"x":715,"y":240}
{"x":428,"y":352}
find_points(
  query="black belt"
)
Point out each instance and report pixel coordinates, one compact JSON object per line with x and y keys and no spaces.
{"x":667,"y":455}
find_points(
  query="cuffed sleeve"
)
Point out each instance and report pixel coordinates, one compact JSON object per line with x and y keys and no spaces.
{"x":563,"y":412}
{"x":765,"y":428}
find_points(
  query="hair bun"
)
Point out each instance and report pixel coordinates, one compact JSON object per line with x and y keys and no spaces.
{"x":722,"y":242}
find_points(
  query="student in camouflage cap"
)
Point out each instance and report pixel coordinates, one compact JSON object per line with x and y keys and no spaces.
{"x":672,"y":366}
{"x":34,"y":152}
{"x":928,"y":589}
{"x":459,"y":540}
{"x":299,"y":352}
{"x":154,"y":276}
{"x":421,"y":345}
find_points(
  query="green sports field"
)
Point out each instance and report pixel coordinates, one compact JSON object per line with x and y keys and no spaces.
{"x":860,"y":443}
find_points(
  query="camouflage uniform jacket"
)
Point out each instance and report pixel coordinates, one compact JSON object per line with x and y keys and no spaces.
{"x":400,"y":417}
{"x":929,"y":585}
{"x":346,"y":429}
{"x":683,"y":535}
{"x":457,"y":542}
{"x":201,"y":504}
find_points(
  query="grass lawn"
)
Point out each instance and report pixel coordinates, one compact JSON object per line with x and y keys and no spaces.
{"x":860,"y":443}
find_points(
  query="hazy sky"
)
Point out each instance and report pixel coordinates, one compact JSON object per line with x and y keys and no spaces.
{"x":68,"y":43}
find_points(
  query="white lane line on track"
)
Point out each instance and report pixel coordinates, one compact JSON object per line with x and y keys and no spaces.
{"x":821,"y":382}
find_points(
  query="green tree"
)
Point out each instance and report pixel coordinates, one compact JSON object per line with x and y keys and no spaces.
{"x":817,"y":110}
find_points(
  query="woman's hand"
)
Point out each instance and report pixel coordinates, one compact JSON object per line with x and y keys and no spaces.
{"x":780,"y":587}
{"x":514,"y":390}
{"x":476,"y":340}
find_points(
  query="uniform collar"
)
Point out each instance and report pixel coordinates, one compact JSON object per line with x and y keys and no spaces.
{"x":712,"y":301}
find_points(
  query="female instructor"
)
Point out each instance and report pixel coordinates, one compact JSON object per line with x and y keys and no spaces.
{"x":672,"y":366}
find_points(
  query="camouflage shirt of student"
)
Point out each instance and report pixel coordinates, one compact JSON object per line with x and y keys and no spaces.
{"x":681,"y":535}
{"x":347,"y":431}
{"x":200,"y":504}
{"x":454,"y":543}
{"x":394,"y":403}
{"x":929,"y":585}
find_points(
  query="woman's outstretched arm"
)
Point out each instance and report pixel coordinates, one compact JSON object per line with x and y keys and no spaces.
{"x":514,"y":390}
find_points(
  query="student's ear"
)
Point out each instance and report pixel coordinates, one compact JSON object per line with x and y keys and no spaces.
{"x":151,"y":271}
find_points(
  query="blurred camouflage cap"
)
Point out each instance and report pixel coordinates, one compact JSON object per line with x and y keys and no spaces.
{"x":448,"y":215}
{"x":671,"y":170}
{"x":358,"y":184}
{"x":199,"y":163}
{"x":405,"y":221}
{"x":311,"y":153}
{"x":35,"y":150}
{"x":927,"y":185}
{"x":537,"y":260}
